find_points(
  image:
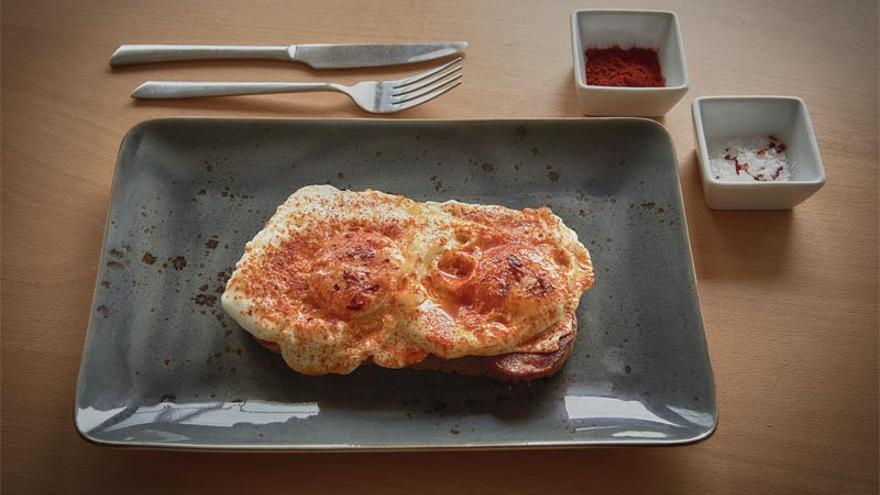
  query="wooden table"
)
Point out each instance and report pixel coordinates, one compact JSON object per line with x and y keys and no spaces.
{"x":790,"y":299}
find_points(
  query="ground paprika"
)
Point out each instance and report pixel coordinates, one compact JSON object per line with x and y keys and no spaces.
{"x":634,"y":67}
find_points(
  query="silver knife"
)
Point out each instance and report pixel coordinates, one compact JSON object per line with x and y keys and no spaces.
{"x":322,"y":56}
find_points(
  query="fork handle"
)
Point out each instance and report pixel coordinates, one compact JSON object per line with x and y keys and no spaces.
{"x":152,"y":90}
{"x":140,"y":54}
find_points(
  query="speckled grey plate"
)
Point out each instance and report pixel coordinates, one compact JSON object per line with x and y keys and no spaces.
{"x":163,"y":367}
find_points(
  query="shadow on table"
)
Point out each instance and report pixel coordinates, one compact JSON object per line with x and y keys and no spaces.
{"x":737,"y":244}
{"x":571,"y":103}
{"x":296,"y":69}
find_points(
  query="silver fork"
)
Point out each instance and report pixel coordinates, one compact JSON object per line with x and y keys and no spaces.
{"x":372,"y":96}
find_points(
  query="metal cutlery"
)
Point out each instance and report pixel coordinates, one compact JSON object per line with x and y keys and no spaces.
{"x":318,"y":56}
{"x":372,"y":96}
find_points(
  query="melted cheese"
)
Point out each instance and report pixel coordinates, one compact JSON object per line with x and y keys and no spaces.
{"x":337,"y":278}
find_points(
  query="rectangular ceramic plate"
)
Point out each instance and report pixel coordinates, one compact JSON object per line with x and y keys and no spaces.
{"x":163,"y":367}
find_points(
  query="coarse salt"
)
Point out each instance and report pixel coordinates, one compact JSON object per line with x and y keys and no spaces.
{"x":751,"y":160}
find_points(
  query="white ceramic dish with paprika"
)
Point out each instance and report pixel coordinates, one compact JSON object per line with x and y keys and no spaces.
{"x":605,"y":28}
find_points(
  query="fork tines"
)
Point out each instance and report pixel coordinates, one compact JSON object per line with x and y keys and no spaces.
{"x":428,"y":85}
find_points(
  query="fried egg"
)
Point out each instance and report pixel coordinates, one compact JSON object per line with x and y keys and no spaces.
{"x":339,"y":278}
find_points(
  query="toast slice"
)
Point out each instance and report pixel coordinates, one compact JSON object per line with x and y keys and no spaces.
{"x":512,"y":367}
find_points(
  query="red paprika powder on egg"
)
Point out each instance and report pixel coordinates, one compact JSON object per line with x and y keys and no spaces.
{"x":633,"y":67}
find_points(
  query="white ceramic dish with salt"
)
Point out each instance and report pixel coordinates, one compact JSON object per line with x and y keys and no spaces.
{"x":720,"y":120}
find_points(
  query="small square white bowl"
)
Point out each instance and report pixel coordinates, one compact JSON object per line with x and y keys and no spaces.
{"x":718,"y":119}
{"x":604,"y":28}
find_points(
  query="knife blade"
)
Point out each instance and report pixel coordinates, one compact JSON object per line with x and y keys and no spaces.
{"x":318,"y":56}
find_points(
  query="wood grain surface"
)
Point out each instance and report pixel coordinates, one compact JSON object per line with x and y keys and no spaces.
{"x":790,"y":299}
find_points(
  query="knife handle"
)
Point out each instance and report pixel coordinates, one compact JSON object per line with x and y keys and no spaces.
{"x":141,"y":54}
